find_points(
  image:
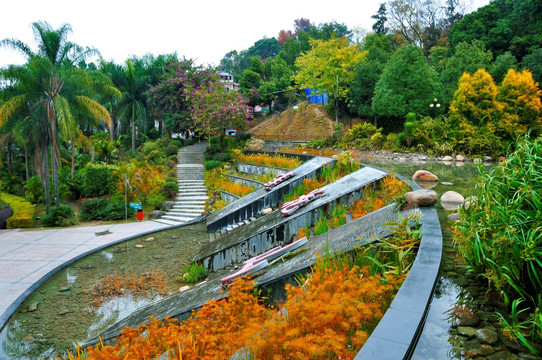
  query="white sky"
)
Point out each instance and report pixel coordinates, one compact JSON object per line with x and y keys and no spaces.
{"x":204,"y":30}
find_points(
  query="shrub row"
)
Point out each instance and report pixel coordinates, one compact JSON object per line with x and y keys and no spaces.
{"x":23,"y":211}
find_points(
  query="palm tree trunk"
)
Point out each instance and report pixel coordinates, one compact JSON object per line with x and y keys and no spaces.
{"x":26,"y":164}
{"x":113,"y":128}
{"x":54,"y":153}
{"x":133,"y":129}
{"x":44,"y":155}
{"x":73,"y":158}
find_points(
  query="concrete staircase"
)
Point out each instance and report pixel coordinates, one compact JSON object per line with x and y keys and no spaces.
{"x":192,"y":195}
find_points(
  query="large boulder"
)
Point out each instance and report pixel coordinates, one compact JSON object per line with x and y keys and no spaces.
{"x":255,"y":144}
{"x":424,"y":175}
{"x":451,"y":200}
{"x":5,"y":213}
{"x":421,"y":197}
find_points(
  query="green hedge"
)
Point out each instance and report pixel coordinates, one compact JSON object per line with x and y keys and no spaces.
{"x":99,"y":179}
{"x":23,"y":211}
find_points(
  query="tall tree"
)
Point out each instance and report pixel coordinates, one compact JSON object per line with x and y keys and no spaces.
{"x":379,"y":27}
{"x":329,"y":66}
{"x":61,"y":84}
{"x":408,"y":84}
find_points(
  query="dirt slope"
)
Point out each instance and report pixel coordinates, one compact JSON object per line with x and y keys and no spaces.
{"x":308,"y":122}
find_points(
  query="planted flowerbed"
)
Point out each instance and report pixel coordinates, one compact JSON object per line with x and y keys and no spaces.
{"x":279,"y":161}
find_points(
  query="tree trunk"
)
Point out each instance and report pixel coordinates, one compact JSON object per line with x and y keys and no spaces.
{"x":54,"y":160}
{"x":133,"y":129}
{"x":26,"y":164}
{"x":44,"y":155}
{"x":73,"y":158}
{"x":8,"y":159}
{"x":113,"y":128}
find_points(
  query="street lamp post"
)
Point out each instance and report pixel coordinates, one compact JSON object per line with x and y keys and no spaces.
{"x":434,"y":105}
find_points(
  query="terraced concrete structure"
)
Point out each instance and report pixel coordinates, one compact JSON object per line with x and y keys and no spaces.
{"x":274,"y":229}
{"x":246,"y":209}
{"x":397,"y":333}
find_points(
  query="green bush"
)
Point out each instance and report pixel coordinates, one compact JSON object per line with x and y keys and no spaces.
{"x":99,"y":179}
{"x":499,"y":234}
{"x":363,"y":136}
{"x":23,"y":211}
{"x":103,"y":209}
{"x":211,"y":164}
{"x":149,"y":146}
{"x":194,"y":272}
{"x":156,"y":157}
{"x":244,"y":136}
{"x":224,"y":157}
{"x":59,"y":216}
{"x":211,"y":151}
{"x":93,"y":209}
{"x":171,"y":150}
{"x":170,"y":189}
{"x":177,"y":143}
{"x":34,"y":189}
{"x":117,"y":211}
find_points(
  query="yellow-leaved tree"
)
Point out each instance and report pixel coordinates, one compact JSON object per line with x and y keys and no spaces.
{"x":520,"y":96}
{"x":330,"y":66}
{"x":476,"y":112}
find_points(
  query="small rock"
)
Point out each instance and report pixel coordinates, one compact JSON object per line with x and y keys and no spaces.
{"x":64,"y":288}
{"x":149,"y":239}
{"x":466,"y":331}
{"x":421,"y":197}
{"x":469,"y":201}
{"x":465,"y":316}
{"x":447,"y":158}
{"x":488,"y":159}
{"x":454,"y":216}
{"x":486,"y":336}
{"x":459,"y":158}
{"x":185,"y":276}
{"x":500,"y":159}
{"x":424,"y":175}
{"x":64,"y":312}
{"x":43,"y":291}
{"x":184,"y":288}
{"x":139,"y":246}
{"x":451,"y":200}
{"x":158,"y":257}
{"x":174,"y":237}
{"x":502,"y":355}
{"x":447,"y":183}
{"x":156,"y":214}
{"x":477,"y":161}
{"x":267,"y":211}
{"x":33,"y":306}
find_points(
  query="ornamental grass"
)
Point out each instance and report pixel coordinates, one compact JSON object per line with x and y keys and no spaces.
{"x":279,"y":161}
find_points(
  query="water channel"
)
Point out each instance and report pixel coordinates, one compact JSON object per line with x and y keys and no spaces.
{"x":30,"y":334}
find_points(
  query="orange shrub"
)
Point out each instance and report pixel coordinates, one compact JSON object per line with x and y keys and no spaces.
{"x":347,"y":310}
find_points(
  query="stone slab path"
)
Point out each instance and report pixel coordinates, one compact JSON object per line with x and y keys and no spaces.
{"x":28,"y":258}
{"x":192,"y":195}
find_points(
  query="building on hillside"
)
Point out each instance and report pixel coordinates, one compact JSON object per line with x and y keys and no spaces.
{"x":316,"y":96}
{"x":227,"y":80}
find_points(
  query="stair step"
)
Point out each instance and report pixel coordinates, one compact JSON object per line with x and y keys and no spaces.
{"x":168,"y":222}
{"x":182,"y":214}
{"x":191,"y":197}
{"x":177,"y":218}
{"x":188,"y":209}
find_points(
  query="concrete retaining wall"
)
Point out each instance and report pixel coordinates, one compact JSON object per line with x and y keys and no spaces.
{"x":252,"y":204}
{"x":245,"y":181}
{"x":275,"y":229}
{"x":228,"y":197}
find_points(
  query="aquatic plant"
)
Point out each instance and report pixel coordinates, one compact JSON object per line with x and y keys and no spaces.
{"x":193,"y":273}
{"x":499,"y":234}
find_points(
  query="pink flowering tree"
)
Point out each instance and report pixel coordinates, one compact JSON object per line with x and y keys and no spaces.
{"x":172,"y":96}
{"x":215,"y":109}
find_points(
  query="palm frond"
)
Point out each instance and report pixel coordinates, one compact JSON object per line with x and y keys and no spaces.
{"x":17,"y":45}
{"x":95,"y":109}
{"x":64,"y":115}
{"x":10,"y":107}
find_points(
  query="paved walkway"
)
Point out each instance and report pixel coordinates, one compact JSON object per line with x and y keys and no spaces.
{"x":27,"y":256}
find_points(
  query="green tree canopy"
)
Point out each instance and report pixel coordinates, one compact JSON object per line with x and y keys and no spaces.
{"x":408,"y":84}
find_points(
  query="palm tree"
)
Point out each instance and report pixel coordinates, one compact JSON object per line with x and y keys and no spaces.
{"x":58,"y":87}
{"x":133,"y":101}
